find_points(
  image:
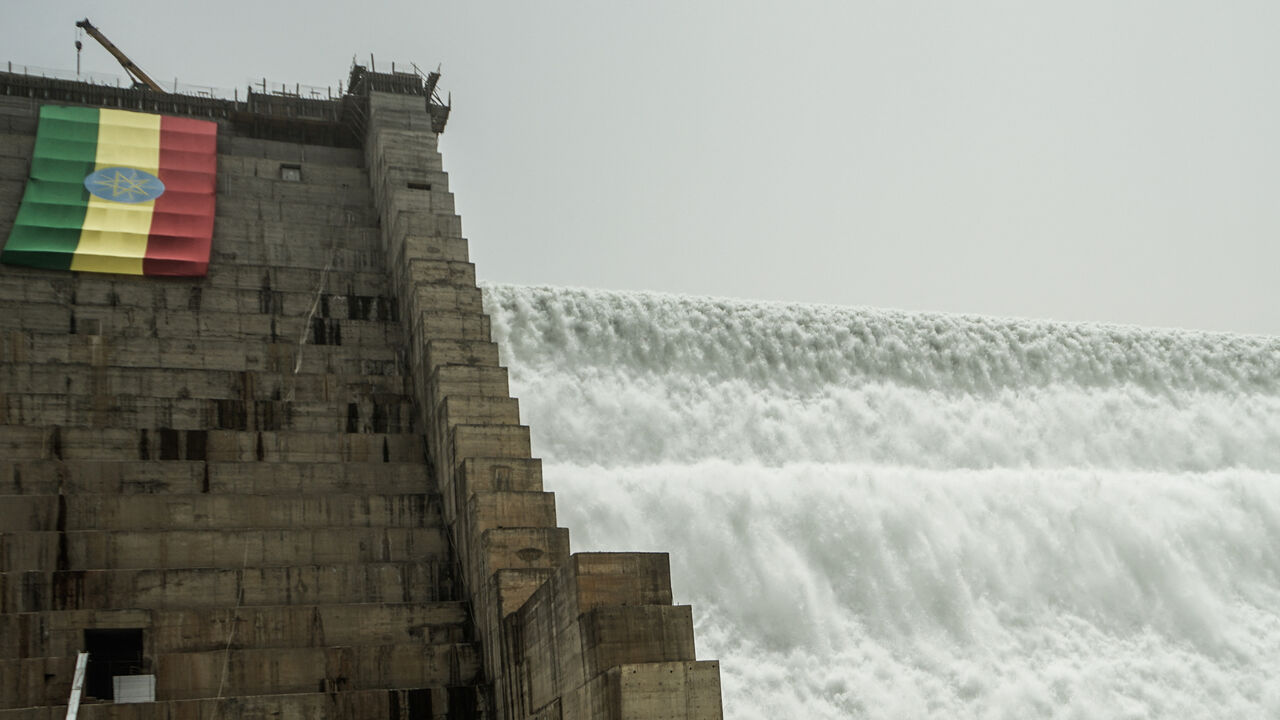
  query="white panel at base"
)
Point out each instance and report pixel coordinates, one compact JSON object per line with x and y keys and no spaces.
{"x":134,"y":688}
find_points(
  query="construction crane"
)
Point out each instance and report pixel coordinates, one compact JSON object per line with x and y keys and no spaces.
{"x":140,"y":79}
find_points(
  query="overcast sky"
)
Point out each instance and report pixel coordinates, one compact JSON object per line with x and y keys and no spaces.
{"x":1083,"y":160}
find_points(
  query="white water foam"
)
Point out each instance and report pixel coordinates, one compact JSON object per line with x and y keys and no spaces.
{"x":889,"y":515}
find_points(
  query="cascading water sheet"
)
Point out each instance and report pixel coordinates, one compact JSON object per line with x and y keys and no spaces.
{"x":890,"y":515}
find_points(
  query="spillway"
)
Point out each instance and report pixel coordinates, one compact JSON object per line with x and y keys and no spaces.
{"x":879,"y":514}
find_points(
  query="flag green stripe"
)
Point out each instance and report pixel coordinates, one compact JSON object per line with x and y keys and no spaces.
{"x":47,"y":229}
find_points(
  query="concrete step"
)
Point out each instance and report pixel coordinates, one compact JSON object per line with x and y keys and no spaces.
{"x":25,"y":346}
{"x":19,"y":146}
{"x":80,"y":379}
{"x":60,"y":633}
{"x":348,"y":172}
{"x":432,"y":702}
{"x":351,"y":414}
{"x":182,"y":676}
{"x":175,"y":332}
{"x":326,"y":251}
{"x":424,"y":580}
{"x":60,"y":287}
{"x":236,"y":155}
{"x":252,"y":245}
{"x":337,"y":259}
{"x":333,"y":302}
{"x":107,"y":444}
{"x":301,"y":214}
{"x":240,"y":229}
{"x":173,"y":549}
{"x":294,"y":279}
{"x":437,"y":352}
{"x":131,"y":478}
{"x":236,"y":145}
{"x":345,"y":187}
{"x":194,"y":326}
{"x":13,"y":167}
{"x":74,"y":512}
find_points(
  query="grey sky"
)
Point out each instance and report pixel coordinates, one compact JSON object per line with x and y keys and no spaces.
{"x":1113,"y":161}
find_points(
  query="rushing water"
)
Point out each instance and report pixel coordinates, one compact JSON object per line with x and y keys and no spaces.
{"x":895,"y":515}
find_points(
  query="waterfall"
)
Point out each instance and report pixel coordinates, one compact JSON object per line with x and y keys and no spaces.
{"x":879,"y":514}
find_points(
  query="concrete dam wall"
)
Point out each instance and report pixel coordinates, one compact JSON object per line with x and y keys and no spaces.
{"x":298,"y":487}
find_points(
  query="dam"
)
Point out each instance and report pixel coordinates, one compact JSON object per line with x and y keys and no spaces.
{"x":280,"y":474}
{"x":302,"y":486}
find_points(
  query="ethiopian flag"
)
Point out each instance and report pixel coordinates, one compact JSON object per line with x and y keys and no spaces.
{"x":117,"y":192}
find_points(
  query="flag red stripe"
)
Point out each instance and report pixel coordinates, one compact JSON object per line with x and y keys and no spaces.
{"x":182,"y":222}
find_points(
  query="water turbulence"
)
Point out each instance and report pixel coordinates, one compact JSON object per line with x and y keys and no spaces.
{"x":893,"y":515}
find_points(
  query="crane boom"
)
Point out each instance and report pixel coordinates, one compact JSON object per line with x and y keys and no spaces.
{"x":135,"y":72}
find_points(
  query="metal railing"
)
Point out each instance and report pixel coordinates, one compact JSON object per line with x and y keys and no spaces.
{"x":176,"y":87}
{"x":267,"y":110}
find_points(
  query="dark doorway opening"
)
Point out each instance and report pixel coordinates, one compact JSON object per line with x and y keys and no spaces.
{"x":411,"y":704}
{"x":111,"y":653}
{"x":462,"y":702}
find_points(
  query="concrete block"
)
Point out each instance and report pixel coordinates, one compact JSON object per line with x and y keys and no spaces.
{"x":185,"y":588}
{"x":293,"y":706}
{"x":466,"y":380}
{"x":431,"y":298}
{"x":17,"y":145}
{"x":49,"y":477}
{"x":619,"y":635}
{"x":603,"y":579}
{"x":575,"y":626}
{"x":429,"y":237}
{"x":518,"y":548}
{"x":37,"y":477}
{"x":176,"y":549}
{"x":431,"y":623}
{"x":443,"y":272}
{"x":20,"y":513}
{"x":317,"y":478}
{"x":225,"y":512}
{"x":276,"y":671}
{"x":35,"y":681}
{"x":453,"y":325}
{"x":510,"y":509}
{"x":226,"y":445}
{"x":487,"y":475}
{"x":457,"y":410}
{"x":651,"y":691}
{"x":510,"y":588}
{"x":458,"y":352}
{"x":489,"y":441}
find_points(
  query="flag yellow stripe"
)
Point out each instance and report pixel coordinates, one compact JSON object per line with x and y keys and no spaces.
{"x":114,"y":236}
